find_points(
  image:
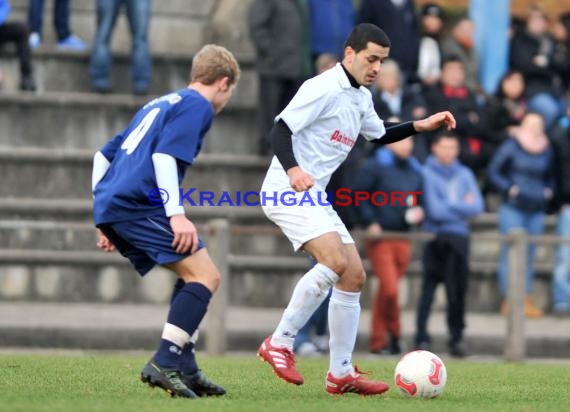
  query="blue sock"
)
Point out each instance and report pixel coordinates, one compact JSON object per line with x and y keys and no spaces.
{"x":177,"y":288}
{"x":187,"y":310}
{"x":187,"y":363}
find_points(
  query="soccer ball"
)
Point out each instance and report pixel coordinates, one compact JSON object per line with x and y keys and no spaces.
{"x":420,"y":374}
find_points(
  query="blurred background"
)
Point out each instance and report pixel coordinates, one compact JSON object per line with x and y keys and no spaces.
{"x":67,"y":88}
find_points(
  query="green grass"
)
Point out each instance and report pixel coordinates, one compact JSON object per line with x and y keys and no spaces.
{"x":110,"y":383}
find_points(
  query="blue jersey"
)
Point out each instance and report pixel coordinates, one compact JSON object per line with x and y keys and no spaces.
{"x":174,"y":124}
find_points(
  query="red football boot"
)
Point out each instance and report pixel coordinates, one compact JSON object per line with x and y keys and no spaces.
{"x":282,"y":360}
{"x":354,"y":383}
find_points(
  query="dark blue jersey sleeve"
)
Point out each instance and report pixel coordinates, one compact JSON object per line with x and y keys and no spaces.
{"x":182,"y":135}
{"x":110,"y":149}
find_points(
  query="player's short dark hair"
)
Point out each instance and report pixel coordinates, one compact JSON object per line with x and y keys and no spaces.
{"x":364,"y":33}
{"x":444,"y":134}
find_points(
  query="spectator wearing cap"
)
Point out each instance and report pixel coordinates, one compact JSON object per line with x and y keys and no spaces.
{"x":429,"y":66}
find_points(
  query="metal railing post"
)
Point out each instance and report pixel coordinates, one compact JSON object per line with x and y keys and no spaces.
{"x":218,"y":247}
{"x":515,"y":348}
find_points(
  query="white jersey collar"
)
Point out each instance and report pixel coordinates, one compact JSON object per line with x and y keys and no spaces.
{"x":342,"y":78}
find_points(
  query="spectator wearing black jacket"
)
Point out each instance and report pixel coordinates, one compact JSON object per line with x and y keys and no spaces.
{"x":453,"y":94}
{"x":533,"y":54}
{"x":278,"y":29}
{"x":398,"y":19}
{"x":17,"y":32}
{"x":506,"y":109}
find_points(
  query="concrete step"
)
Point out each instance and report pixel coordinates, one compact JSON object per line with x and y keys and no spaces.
{"x":176,"y":25}
{"x":260,"y":280}
{"x":66,"y":174}
{"x":77,"y":236}
{"x":61,"y":72}
{"x":137,"y":326}
{"x":87,"y":121}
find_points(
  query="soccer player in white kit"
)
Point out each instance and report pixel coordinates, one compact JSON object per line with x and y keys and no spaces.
{"x":311,"y":138}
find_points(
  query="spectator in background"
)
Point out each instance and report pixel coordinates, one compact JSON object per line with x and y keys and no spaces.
{"x":460,"y":43}
{"x":533,"y":54}
{"x":561,"y":274}
{"x":330,"y":23}
{"x":393,"y":99}
{"x":507,"y":108}
{"x":561,"y":34}
{"x":392,"y":169}
{"x":429,"y":66}
{"x":451,"y":197}
{"x":398,"y":19}
{"x":522,"y":171}
{"x":138,"y":14}
{"x":66,"y":40}
{"x":453,"y":94}
{"x":278,"y":31}
{"x":17,"y":33}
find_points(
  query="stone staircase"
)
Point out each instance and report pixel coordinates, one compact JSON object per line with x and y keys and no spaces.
{"x":47,"y":141}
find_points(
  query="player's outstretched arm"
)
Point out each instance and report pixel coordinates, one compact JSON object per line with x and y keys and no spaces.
{"x":435,"y":121}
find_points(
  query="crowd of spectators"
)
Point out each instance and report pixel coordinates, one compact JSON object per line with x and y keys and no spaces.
{"x":513,"y":145}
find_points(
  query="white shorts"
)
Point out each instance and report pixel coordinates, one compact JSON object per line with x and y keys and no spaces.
{"x":306,"y":221}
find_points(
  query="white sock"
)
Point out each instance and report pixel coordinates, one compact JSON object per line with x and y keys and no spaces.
{"x":309,"y":293}
{"x":344,"y":313}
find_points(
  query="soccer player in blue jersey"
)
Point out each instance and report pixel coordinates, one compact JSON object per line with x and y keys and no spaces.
{"x":161,"y":141}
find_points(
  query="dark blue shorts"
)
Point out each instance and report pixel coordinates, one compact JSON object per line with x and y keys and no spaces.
{"x":146,"y":242}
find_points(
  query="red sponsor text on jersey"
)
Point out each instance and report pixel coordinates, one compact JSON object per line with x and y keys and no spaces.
{"x":337,"y":136}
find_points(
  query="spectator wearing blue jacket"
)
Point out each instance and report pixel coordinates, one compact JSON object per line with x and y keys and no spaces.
{"x":522,"y":171}
{"x":392,"y":171}
{"x":331,"y":21}
{"x":451,"y":197}
{"x":17,"y":33}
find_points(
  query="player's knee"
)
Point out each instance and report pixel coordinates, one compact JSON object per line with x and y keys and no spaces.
{"x":337,"y":262}
{"x":215,"y":280}
{"x":359,"y":279}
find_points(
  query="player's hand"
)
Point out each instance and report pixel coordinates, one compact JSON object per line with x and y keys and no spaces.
{"x":435,"y":121}
{"x":300,"y":180}
{"x":185,"y":234}
{"x":104,"y":242}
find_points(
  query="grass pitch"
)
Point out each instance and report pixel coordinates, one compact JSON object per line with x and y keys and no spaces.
{"x":110,"y":383}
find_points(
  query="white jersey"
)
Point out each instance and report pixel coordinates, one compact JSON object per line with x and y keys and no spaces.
{"x":326,"y":116}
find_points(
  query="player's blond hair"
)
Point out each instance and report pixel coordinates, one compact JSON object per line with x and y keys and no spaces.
{"x":214,"y":62}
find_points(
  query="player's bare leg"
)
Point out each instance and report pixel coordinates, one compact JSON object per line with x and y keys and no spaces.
{"x":344,"y":314}
{"x":311,"y":290}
